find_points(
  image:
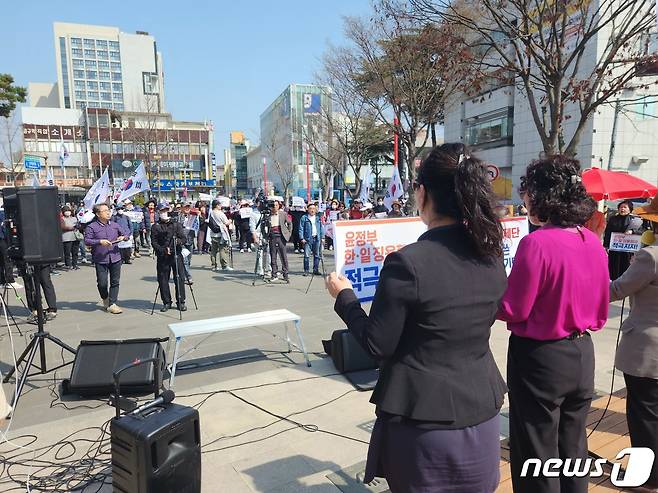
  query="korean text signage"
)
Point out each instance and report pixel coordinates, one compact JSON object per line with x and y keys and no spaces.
{"x":166,"y":185}
{"x":619,"y":242}
{"x":514,"y":229}
{"x":52,"y":132}
{"x":32,"y":162}
{"x":362,"y":246}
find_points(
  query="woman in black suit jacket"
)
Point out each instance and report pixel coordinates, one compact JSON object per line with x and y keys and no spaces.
{"x":439,"y":391}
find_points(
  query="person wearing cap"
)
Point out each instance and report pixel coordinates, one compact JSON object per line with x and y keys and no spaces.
{"x":137,"y":226}
{"x":396,"y":209}
{"x":189,"y":218}
{"x":220,"y":237}
{"x":121,"y":218}
{"x":70,"y":238}
{"x":242,"y":223}
{"x":355,"y":209}
{"x":167,"y":238}
{"x":103,"y":236}
{"x":638,"y":346}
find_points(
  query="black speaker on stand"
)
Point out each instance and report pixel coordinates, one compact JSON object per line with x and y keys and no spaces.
{"x":34,"y":236}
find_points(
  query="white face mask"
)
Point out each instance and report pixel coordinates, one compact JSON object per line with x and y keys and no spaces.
{"x":120,"y":212}
{"x":67,"y":213}
{"x":164,"y":216}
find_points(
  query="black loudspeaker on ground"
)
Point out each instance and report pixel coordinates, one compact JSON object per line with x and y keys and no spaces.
{"x":95,"y":361}
{"x":34,"y":230}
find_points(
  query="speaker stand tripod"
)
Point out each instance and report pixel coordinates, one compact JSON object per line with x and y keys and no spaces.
{"x":38,"y":343}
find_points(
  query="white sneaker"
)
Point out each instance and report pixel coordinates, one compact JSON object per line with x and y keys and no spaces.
{"x":241,"y":250}
{"x":15,"y":285}
{"x":249,"y":250}
{"x":114,"y":309}
{"x":296,"y":250}
{"x":228,"y":268}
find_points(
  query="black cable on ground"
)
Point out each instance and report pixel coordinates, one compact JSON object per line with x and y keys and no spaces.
{"x":65,"y":473}
{"x":612,"y":383}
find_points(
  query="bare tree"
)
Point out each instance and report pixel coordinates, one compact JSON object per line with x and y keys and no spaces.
{"x":546,"y":48}
{"x":147,"y":134}
{"x":345,"y":133}
{"x":403,"y":78}
{"x":10,"y":137}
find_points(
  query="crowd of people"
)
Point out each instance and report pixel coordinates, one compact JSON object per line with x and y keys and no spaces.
{"x":113,"y":235}
{"x":439,"y":393}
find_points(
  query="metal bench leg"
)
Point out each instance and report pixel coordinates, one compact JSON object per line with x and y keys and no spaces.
{"x":288,"y":338}
{"x":298,"y":328}
{"x":174,"y":363}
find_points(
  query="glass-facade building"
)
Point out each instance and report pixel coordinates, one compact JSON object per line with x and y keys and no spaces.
{"x":282,"y":130}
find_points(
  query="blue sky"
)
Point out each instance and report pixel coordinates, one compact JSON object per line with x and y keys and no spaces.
{"x":224,"y":61}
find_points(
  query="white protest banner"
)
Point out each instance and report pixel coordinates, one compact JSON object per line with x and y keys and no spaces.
{"x":333,"y":216}
{"x":134,"y":216}
{"x":245,"y":212}
{"x":619,"y":242}
{"x":360,"y":248}
{"x":206,"y":197}
{"x":298,"y":202}
{"x":328,"y":229}
{"x":514,"y":229}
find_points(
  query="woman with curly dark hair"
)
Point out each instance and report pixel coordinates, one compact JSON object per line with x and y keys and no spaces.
{"x":557,"y":292}
{"x":439,"y":390}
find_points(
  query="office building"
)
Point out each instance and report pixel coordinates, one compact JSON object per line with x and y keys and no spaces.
{"x":102,"y":67}
{"x":282,"y":133}
{"x":176,"y":154}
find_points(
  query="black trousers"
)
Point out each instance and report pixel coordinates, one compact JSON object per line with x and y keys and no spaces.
{"x":277,"y":245}
{"x":642,"y":416}
{"x":618,"y":263}
{"x":245,"y":235}
{"x":113,"y":271}
{"x":42,"y":278}
{"x":6,"y":265}
{"x":166,"y":267}
{"x":71,"y":250}
{"x":125,"y":254}
{"x":551,"y":384}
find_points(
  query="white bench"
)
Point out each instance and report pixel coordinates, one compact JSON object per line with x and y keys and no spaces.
{"x":212,"y":325}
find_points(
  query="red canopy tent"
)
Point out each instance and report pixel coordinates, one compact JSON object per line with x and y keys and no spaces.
{"x":613,"y":185}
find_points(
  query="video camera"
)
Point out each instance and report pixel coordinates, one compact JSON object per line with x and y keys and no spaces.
{"x":265,"y":205}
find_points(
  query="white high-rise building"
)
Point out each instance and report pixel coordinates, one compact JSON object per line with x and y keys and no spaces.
{"x":102,"y":67}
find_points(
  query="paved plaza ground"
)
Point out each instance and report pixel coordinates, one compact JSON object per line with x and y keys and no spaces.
{"x":246,"y":446}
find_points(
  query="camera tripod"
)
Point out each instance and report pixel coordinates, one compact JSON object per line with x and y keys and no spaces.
{"x":36,"y":344}
{"x":324,"y":272}
{"x":177,"y":280}
{"x":263,"y":244}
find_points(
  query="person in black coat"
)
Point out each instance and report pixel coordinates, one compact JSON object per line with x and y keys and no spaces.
{"x":167,"y":238}
{"x":439,"y":391}
{"x":622,"y":222}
